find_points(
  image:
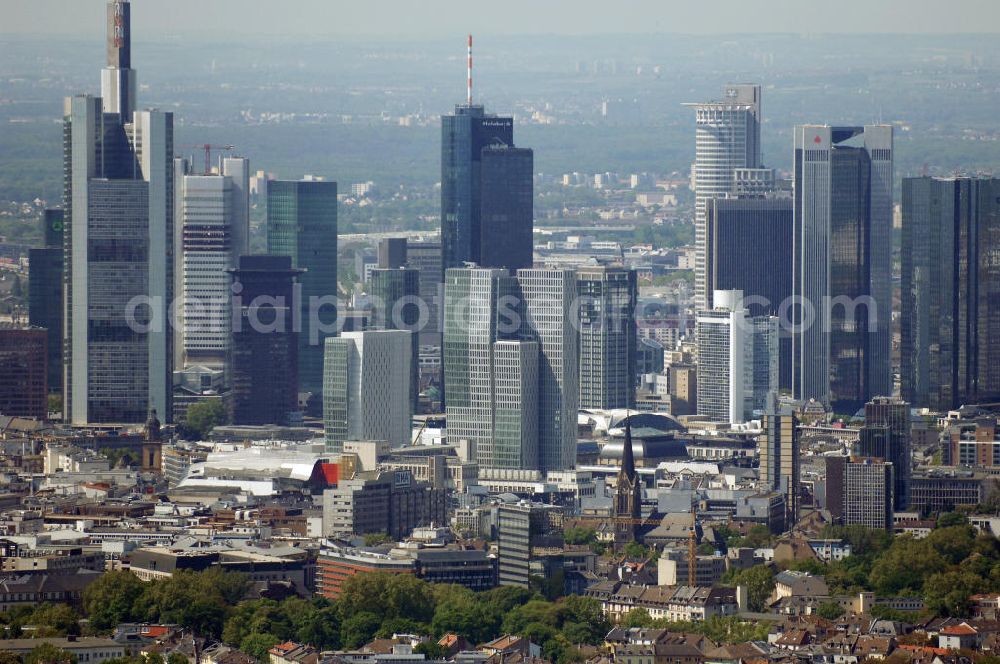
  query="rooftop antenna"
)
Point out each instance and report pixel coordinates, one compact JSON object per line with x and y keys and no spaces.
{"x":468,"y":95}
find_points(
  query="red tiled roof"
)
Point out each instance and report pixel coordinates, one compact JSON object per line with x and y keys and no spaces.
{"x":959,"y":630}
{"x":928,"y":650}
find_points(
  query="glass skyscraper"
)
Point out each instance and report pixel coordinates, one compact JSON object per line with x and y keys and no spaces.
{"x":211,"y":230}
{"x":367,"y":392}
{"x":118,"y":207}
{"x":607,"y":336}
{"x":464,"y":134}
{"x":750,"y":249}
{"x":302,"y":224}
{"x":727,"y":138}
{"x":886,"y":436}
{"x":950,"y":283}
{"x":842,"y":264}
{"x":737,"y":359}
{"x":482,"y":308}
{"x":263,"y":354}
{"x":45,"y":293}
{"x":507,"y":207}
{"x":547,"y":315}
{"x":470,"y":330}
{"x":395,"y":296}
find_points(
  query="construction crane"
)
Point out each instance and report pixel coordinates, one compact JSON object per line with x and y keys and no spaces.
{"x":420,"y":432}
{"x":693,"y":548}
{"x":208,"y":147}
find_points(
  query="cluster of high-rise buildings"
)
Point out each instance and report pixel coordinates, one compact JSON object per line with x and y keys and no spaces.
{"x":816,"y":252}
{"x":152,"y":300}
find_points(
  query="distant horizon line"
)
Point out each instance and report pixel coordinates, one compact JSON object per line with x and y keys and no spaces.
{"x":409,"y":36}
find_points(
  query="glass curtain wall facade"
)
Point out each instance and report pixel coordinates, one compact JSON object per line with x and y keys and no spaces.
{"x":302,"y":224}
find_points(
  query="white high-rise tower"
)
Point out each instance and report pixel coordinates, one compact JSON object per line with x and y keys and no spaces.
{"x":727,"y":138}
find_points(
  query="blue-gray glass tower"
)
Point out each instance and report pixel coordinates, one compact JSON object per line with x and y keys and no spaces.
{"x":749,"y":248}
{"x":506,"y":207}
{"x":842,"y":264}
{"x":263,"y":355}
{"x":45,"y":294}
{"x":302,"y":224}
{"x":464,"y":134}
{"x":950,"y":292}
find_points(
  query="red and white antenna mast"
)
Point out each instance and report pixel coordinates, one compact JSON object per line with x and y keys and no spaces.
{"x":468,"y":96}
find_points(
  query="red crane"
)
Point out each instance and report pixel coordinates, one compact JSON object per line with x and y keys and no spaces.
{"x":208,"y":147}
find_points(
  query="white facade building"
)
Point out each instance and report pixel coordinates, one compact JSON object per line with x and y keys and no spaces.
{"x":727,"y":138}
{"x":737,"y":359}
{"x":366,"y":391}
{"x":211,"y":229}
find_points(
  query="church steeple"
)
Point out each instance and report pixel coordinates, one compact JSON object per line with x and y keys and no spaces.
{"x":628,"y":492}
{"x":628,"y":456}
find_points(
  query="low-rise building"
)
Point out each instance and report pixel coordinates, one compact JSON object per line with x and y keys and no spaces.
{"x":86,"y":650}
{"x":471,"y":568}
{"x":30,"y":590}
{"x":673,"y":603}
{"x":390,"y":502}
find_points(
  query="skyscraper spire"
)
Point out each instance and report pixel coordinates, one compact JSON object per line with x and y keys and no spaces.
{"x":468,"y":95}
{"x":118,"y":78}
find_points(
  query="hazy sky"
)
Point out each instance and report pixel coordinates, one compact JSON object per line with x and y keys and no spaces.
{"x":435,"y":18}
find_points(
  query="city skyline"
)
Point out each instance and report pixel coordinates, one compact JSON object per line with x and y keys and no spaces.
{"x":671,"y":411}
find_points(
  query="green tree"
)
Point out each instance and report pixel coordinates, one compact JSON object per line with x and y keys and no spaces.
{"x":731,"y":629}
{"x":176,"y":658}
{"x":55,"y":619}
{"x":954,"y":543}
{"x":256,"y":645}
{"x":583,"y":618}
{"x":637,"y":618}
{"x":947,"y":593}
{"x":359,"y":628}
{"x":199,"y":601}
{"x":948,"y":519}
{"x":636,"y":551}
{"x":431,"y":650}
{"x":204,"y":416}
{"x":113,"y":598}
{"x":829,"y":610}
{"x":46,"y":653}
{"x":467,"y":618}
{"x":376,"y":539}
{"x":390,"y":596}
{"x":9,"y":658}
{"x":571,"y":654}
{"x":863,"y":540}
{"x":536,"y":611}
{"x":810,"y":565}
{"x":579,"y":535}
{"x":758,"y":537}
{"x":320,"y":628}
{"x":904,"y":566}
{"x":759,"y":581}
